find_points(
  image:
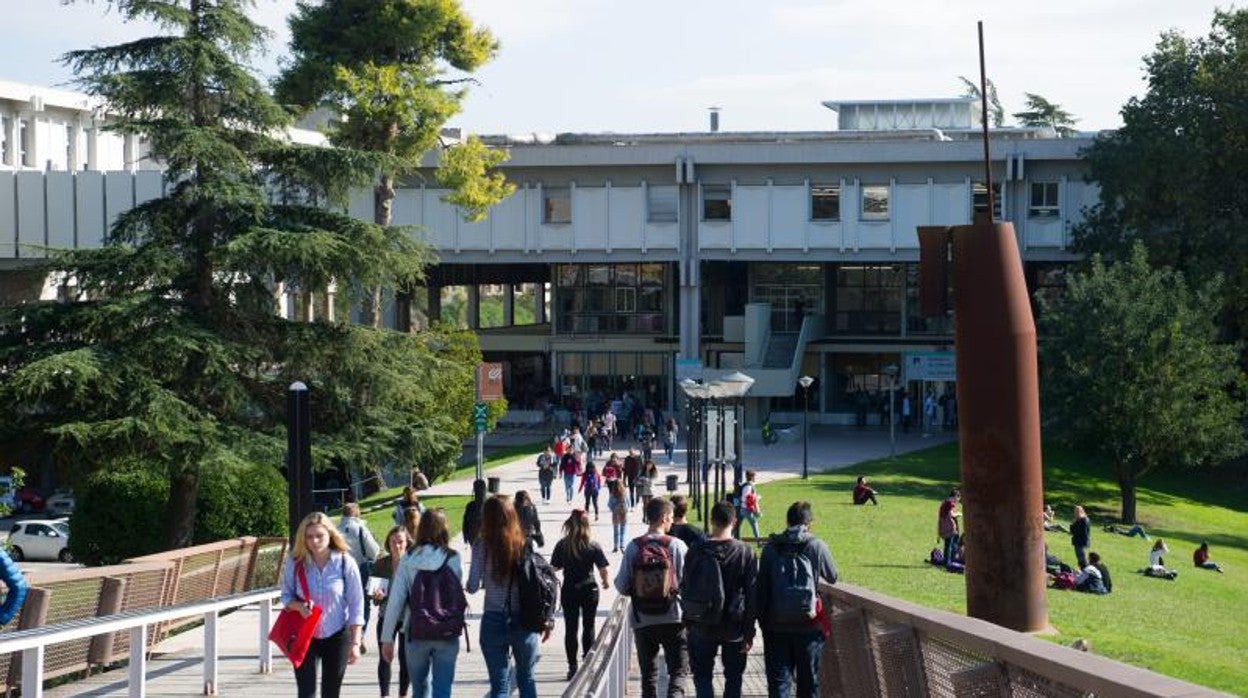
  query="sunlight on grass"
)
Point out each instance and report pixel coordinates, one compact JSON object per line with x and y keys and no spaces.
{"x":1191,"y":628}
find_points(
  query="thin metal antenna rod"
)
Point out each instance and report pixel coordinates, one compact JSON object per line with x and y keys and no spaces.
{"x":983,"y":103}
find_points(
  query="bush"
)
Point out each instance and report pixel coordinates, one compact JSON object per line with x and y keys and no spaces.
{"x":118,"y":515}
{"x":240,"y":499}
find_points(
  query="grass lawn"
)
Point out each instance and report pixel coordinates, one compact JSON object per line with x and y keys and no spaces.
{"x":381,"y":521}
{"x":1191,"y":628}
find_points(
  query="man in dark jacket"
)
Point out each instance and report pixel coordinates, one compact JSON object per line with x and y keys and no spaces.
{"x":792,"y":648}
{"x":733,"y":634}
{"x":632,"y":468}
{"x":690,"y":534}
{"x":472,"y":513}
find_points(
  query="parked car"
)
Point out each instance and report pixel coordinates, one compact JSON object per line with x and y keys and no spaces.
{"x":29,"y":500}
{"x":40,"y":540}
{"x":60,"y":504}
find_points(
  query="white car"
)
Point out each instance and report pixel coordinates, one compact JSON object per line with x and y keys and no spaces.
{"x":46,"y":539}
{"x":60,"y":504}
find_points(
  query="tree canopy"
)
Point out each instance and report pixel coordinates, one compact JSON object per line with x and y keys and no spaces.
{"x":167,"y":353}
{"x":1175,"y":175}
{"x":1133,"y":372}
{"x":996,"y":112}
{"x":1040,"y":112}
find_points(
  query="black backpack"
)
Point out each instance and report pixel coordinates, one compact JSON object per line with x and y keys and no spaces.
{"x":794,"y":584}
{"x":539,"y":591}
{"x":702,"y":587}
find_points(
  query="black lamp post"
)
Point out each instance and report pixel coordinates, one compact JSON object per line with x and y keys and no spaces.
{"x":891,"y":371}
{"x":805,"y":382}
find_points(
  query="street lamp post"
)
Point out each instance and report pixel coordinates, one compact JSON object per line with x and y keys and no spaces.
{"x":697,"y":395}
{"x":891,"y":370}
{"x":735,"y":387}
{"x":805,"y":382}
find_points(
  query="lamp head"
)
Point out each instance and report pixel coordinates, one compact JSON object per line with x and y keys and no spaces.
{"x":805,"y":382}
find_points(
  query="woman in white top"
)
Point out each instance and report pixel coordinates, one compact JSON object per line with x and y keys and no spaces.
{"x":1157,"y":564}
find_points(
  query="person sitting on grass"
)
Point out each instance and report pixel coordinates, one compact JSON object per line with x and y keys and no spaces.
{"x":1050,"y":521}
{"x":1093,"y":578}
{"x":863,"y":493}
{"x":1157,"y":564}
{"x":1135,"y":530}
{"x":1201,"y":558}
{"x":1053,"y":565}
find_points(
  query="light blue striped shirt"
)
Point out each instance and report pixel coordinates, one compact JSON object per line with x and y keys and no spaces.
{"x":336,"y":589}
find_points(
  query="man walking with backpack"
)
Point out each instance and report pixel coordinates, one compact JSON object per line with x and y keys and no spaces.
{"x":716,"y":598}
{"x":650,"y":574}
{"x":788,"y":605}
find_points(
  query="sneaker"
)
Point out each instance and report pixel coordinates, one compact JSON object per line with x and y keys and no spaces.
{"x":571,"y":672}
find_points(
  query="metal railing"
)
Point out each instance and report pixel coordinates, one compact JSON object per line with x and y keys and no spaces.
{"x":604,"y":672}
{"x":882,"y":646}
{"x":32,"y":644}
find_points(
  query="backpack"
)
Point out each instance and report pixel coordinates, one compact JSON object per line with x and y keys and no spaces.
{"x":436,"y":604}
{"x":539,"y":591}
{"x":794,"y":588}
{"x":702,"y":587}
{"x":1064,"y":580}
{"x":653,"y":575}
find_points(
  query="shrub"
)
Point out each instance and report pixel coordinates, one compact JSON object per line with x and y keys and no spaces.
{"x":240,"y":499}
{"x":118,"y":514}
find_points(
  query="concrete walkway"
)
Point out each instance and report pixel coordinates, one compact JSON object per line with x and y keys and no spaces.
{"x":176,"y":667}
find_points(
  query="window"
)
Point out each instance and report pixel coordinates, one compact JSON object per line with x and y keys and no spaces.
{"x":25,"y":139}
{"x":612,"y":298}
{"x":868,"y":299}
{"x":979,"y":200}
{"x":661,"y":204}
{"x":556,"y":205}
{"x":875,"y":202}
{"x":825,"y":202}
{"x":717,"y":202}
{"x":1044,"y":200}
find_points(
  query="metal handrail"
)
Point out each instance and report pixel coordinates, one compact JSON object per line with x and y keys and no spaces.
{"x":605,"y":669}
{"x":32,"y":643}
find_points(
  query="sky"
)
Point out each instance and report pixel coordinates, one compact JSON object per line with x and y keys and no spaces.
{"x":657,"y":65}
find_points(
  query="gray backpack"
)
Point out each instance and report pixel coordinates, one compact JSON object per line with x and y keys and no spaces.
{"x":794,"y":585}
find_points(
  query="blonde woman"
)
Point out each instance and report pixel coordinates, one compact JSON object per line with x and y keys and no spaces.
{"x":334,"y":586}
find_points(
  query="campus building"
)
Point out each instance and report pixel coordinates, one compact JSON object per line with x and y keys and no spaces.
{"x":625,"y":262}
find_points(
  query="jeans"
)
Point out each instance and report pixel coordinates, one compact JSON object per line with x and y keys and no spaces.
{"x":500,"y":638}
{"x":746,"y":516}
{"x":366,"y":569}
{"x":702,"y":651}
{"x":951,"y":547}
{"x":545,"y":487}
{"x":384,"y":668}
{"x":631,"y":484}
{"x":436,"y":657}
{"x":580,"y":602}
{"x":670,"y":637}
{"x":1081,"y":555}
{"x":331,"y":652}
{"x":569,"y":484}
{"x":620,"y":530}
{"x":591,"y":499}
{"x":786,"y":654}
{"x":670,"y":449}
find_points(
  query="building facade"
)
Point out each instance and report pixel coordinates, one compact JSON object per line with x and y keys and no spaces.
{"x":624,"y":262}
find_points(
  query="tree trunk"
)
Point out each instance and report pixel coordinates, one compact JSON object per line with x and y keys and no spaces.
{"x":180,"y":519}
{"x":1126,"y":486}
{"x":383,"y":206}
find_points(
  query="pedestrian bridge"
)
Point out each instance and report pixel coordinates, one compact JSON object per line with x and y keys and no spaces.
{"x":78,"y":623}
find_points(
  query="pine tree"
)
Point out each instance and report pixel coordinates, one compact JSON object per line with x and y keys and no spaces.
{"x":396,"y":71}
{"x":1041,"y":112}
{"x":171,"y":356}
{"x":996,"y":112}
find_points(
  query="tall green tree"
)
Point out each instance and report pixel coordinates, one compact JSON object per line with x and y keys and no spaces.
{"x":396,"y":70}
{"x":169,"y":356}
{"x":996,"y":112}
{"x":1175,"y":175}
{"x":1133,"y":372}
{"x":1040,"y":112}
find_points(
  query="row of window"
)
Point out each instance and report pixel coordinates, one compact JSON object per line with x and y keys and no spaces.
{"x":825,"y":202}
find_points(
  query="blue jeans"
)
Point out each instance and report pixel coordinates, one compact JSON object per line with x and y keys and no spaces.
{"x":436,"y":657}
{"x":545,"y":488}
{"x":702,"y":651}
{"x":569,"y":482}
{"x":746,"y":516}
{"x":951,"y":547}
{"x":620,"y":530}
{"x":501,"y":638}
{"x":787,"y":654}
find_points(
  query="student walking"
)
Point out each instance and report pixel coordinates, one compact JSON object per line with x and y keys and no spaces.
{"x":576,"y":556}
{"x":591,"y":483}
{"x":409,"y":500}
{"x":788,"y":605}
{"x":748,"y":509}
{"x":428,"y":589}
{"x":546,"y":465}
{"x":650,"y":573}
{"x":569,"y":467}
{"x":385,"y":568}
{"x":363,"y":547}
{"x":530,"y":521}
{"x":645,"y":483}
{"x":717,"y":597}
{"x":632,"y":468}
{"x":322,"y":558}
{"x":617,"y":504}
{"x":494,"y":564}
{"x":687,"y":532}
{"x":670,"y":433}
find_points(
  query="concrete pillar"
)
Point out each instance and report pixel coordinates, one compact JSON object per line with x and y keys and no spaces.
{"x":33,"y":153}
{"x":12,"y":136}
{"x":509,"y":305}
{"x":130,"y":152}
{"x":690,"y":322}
{"x":75,"y":150}
{"x":93,"y":146}
{"x":474,"y":307}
